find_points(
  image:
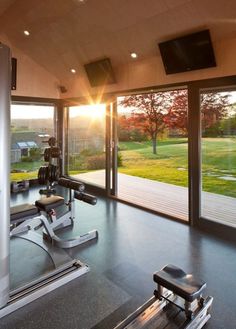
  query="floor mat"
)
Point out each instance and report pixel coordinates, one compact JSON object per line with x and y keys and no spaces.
{"x":80,"y":304}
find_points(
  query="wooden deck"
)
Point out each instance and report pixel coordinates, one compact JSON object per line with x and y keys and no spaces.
{"x":166,"y":198}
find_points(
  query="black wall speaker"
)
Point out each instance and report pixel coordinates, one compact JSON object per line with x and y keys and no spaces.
{"x":13,"y":73}
{"x":100,"y":73}
{"x":62,"y":89}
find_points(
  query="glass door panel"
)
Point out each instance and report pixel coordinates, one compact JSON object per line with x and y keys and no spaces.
{"x":218,"y":152}
{"x":86,"y":144}
{"x":153,"y":151}
{"x":31,"y":126}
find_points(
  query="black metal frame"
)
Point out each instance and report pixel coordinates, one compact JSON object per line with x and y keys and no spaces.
{"x":194,"y":141}
{"x":57,"y":116}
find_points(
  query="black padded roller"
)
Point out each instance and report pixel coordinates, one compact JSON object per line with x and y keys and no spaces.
{"x":88,"y":198}
{"x":72,"y":184}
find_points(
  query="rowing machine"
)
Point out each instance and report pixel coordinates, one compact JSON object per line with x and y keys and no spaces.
{"x":177,"y":303}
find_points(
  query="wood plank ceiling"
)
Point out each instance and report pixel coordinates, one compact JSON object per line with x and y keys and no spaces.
{"x":70,"y":33}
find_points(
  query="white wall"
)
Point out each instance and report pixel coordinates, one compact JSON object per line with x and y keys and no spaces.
{"x":32,"y":79}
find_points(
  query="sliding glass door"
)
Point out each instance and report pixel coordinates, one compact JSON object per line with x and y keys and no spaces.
{"x":153,"y":151}
{"x":86,"y":144}
{"x":218,"y":156}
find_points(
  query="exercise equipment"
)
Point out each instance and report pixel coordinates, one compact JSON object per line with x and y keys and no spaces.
{"x":5,"y":83}
{"x":66,"y":268}
{"x":25,"y":217}
{"x":49,"y":174}
{"x":177,"y":303}
{"x":26,"y":220}
{"x":20,"y":186}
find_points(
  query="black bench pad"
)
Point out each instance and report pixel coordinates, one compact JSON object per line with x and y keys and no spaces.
{"x":23,"y":211}
{"x":182,"y":284}
{"x":47,"y":204}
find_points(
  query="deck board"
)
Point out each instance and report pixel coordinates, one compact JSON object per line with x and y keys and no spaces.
{"x":166,"y":198}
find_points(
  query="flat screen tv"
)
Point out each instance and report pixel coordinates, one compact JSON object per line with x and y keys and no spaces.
{"x":187,"y":53}
{"x":100,"y":73}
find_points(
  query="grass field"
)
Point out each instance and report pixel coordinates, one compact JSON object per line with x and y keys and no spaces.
{"x":28,"y":170}
{"x":169,"y":165}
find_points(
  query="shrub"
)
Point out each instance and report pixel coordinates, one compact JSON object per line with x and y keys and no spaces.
{"x":96,"y":162}
{"x":35,"y":154}
{"x":26,"y":159}
{"x":119,"y":160}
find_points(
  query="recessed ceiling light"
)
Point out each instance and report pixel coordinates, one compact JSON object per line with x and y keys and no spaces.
{"x":73,"y":71}
{"x":133,"y":55}
{"x":26,"y":33}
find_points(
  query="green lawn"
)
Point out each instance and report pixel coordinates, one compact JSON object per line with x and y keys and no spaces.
{"x":169,"y":165}
{"x":29,"y":170}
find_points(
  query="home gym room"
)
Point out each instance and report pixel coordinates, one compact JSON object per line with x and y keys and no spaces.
{"x":117,"y":164}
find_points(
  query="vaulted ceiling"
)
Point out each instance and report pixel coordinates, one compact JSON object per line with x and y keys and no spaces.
{"x":71,"y":33}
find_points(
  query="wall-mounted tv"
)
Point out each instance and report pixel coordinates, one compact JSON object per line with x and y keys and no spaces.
{"x":187,"y":53}
{"x":100,"y":73}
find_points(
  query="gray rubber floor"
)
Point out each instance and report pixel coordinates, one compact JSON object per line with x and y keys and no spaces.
{"x":132,"y":244}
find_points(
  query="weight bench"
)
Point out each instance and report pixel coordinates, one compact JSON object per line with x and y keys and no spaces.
{"x":19,"y":214}
{"x":23,"y":219}
{"x":176,"y":290}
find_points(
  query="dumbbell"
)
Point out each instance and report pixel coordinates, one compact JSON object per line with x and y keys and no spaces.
{"x":19,"y":186}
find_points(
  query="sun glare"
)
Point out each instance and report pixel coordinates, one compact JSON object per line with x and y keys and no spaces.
{"x":25,"y":111}
{"x":95,"y":111}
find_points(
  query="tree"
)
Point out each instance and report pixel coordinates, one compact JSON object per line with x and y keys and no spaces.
{"x":178,"y":113}
{"x":154,"y":112}
{"x":129,"y":129}
{"x":214,"y":107}
{"x":124,"y":128}
{"x":151,"y":112}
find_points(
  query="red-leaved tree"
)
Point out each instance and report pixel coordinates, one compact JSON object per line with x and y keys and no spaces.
{"x":152,"y":113}
{"x":214,"y":107}
{"x":177,"y":117}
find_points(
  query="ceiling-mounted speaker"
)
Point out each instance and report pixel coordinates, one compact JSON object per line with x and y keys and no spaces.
{"x":62,"y":89}
{"x":13,"y":73}
{"x":100,"y":73}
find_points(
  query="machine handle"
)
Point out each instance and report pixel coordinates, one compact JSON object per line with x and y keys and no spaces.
{"x":88,"y":198}
{"x":72,"y":184}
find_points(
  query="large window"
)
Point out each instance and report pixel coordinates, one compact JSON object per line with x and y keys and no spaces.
{"x":86,"y":143}
{"x":218,"y":121}
{"x":153,"y":151}
{"x":31,"y":126}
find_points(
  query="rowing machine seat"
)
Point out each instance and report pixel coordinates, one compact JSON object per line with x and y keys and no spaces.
{"x":182,"y":284}
{"x":47,"y":204}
